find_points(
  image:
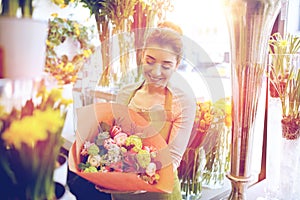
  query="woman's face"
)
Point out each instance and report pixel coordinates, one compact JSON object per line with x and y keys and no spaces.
{"x":159,"y":63}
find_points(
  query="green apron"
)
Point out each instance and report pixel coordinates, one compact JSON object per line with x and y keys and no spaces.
{"x":156,"y":118}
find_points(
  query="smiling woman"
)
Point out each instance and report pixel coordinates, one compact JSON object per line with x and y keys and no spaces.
{"x":169,"y":108}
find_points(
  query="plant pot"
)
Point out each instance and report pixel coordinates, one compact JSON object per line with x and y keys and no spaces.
{"x":290,"y":128}
{"x":22,"y":47}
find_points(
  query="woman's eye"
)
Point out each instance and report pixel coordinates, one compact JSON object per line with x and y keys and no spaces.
{"x":150,"y":61}
{"x":166,"y":66}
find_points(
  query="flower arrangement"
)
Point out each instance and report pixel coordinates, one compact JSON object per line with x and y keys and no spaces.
{"x":65,"y":67}
{"x":115,"y":150}
{"x":285,"y":80}
{"x":30,"y":142}
{"x":208,"y":149}
{"x":191,"y":166}
{"x":119,"y":151}
{"x":217,"y":145}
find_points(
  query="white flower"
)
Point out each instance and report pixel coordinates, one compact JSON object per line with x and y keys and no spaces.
{"x":94,"y":160}
{"x":151,"y":169}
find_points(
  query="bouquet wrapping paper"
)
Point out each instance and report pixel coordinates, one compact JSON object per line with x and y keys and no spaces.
{"x":89,"y":118}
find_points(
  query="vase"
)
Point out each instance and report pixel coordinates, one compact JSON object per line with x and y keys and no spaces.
{"x":22,"y":47}
{"x":249,"y":23}
{"x":217,"y":156}
{"x":283,"y":157}
{"x":190,"y":173}
{"x":282,"y":175}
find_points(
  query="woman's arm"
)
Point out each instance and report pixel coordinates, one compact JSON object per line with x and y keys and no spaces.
{"x":184,"y":116}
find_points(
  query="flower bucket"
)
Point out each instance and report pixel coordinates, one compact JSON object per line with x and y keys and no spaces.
{"x":22,"y":47}
{"x":117,"y":181}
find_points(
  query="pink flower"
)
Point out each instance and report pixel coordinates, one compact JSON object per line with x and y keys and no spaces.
{"x":85,"y":148}
{"x":120,"y":138}
{"x":115,"y":130}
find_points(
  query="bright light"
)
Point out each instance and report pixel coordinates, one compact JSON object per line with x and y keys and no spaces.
{"x":203,"y":22}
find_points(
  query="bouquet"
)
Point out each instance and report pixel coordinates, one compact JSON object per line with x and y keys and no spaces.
{"x":115,"y":150}
{"x":118,"y":151}
{"x":30,"y":139}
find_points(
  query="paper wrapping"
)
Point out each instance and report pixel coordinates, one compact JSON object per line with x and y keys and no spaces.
{"x":87,"y":128}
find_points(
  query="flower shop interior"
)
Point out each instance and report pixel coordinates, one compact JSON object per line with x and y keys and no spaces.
{"x":89,"y":51}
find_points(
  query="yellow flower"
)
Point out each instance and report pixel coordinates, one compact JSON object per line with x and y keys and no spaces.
{"x":66,"y":102}
{"x":54,"y":15}
{"x":63,"y":6}
{"x":48,"y":43}
{"x":43,"y":93}
{"x":69,"y":67}
{"x":29,"y":130}
{"x":55,"y":94}
{"x":87,"y":53}
{"x":76,"y":27}
{"x":51,"y":118}
{"x":61,"y":65}
{"x":283,"y":43}
{"x":134,"y":141}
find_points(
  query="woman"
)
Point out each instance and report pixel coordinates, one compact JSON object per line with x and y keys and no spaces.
{"x":170,"y":108}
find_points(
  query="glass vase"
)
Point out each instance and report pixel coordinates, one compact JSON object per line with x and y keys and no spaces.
{"x":283,"y":161}
{"x":282,"y":181}
{"x":249,"y":23}
{"x":190,"y":173}
{"x":217,"y":156}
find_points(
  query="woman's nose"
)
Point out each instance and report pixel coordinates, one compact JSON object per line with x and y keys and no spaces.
{"x":156,"y":70}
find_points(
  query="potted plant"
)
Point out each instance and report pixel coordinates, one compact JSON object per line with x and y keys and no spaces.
{"x":285,"y":80}
{"x":21,"y":55}
{"x":284,"y":76}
